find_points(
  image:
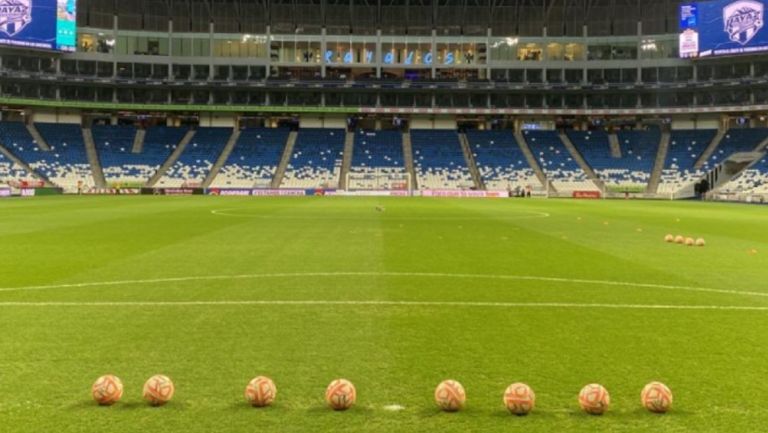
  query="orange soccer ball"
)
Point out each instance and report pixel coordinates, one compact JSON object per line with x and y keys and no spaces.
{"x":519,"y":398}
{"x":679,"y":239}
{"x":158,"y":390}
{"x":669,"y":238}
{"x":656,"y":397}
{"x":341,"y":394}
{"x":260,"y":392}
{"x":594,"y":399}
{"x":450,"y":396}
{"x":107,"y":390}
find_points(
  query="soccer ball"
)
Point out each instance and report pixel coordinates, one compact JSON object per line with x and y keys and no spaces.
{"x":260,"y":392}
{"x":450,"y":396}
{"x":679,"y":239}
{"x":669,"y":238}
{"x":158,"y":390}
{"x":690,"y":242}
{"x":519,"y":398}
{"x":107,"y":390}
{"x":656,"y":397}
{"x":594,"y":399}
{"x":700,"y":242}
{"x":340,"y":394}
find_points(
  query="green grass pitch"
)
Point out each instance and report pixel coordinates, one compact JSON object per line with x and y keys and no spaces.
{"x":553,"y":293}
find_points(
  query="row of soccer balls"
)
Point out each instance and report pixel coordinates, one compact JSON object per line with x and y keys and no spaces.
{"x":341,"y":394}
{"x":682,"y":240}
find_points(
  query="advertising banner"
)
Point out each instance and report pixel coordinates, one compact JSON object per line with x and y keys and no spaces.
{"x":279,"y":192}
{"x":43,"y":24}
{"x":464,"y":194}
{"x":722,"y":27}
{"x":5,"y":192}
{"x":587,"y":194}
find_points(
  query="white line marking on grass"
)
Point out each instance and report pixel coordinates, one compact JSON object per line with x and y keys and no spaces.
{"x":233,"y":213}
{"x":394,"y":407}
{"x":383,"y":274}
{"x":554,"y":305}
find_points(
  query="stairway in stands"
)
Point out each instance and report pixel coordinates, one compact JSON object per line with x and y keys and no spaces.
{"x":471,"y":162}
{"x":408,"y":159}
{"x":658,"y":166}
{"x":579,"y":158}
{"x":285,"y":160}
{"x":138,"y":141}
{"x":531,"y":158}
{"x":172,"y":158}
{"x":346,"y":162}
{"x":93,"y":159}
{"x":233,"y":138}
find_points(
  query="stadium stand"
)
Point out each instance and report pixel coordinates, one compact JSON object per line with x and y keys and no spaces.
{"x":12,"y":133}
{"x":254,"y":159}
{"x":66,"y":165}
{"x":753,"y":180}
{"x":316,"y":159}
{"x":439,"y":160}
{"x":557,"y":163}
{"x":735,"y":141}
{"x":500,"y":160}
{"x":377,"y":160}
{"x":197,"y":159}
{"x":638,"y":152}
{"x":11,"y":172}
{"x":685,"y":148}
{"x":121,"y":166}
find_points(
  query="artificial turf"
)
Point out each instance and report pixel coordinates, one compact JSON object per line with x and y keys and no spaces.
{"x":466,"y":313}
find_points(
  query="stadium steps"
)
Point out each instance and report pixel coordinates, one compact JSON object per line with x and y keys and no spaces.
{"x":93,"y":159}
{"x":39,"y":139}
{"x":710,"y":149}
{"x":732,"y":168}
{"x":579,"y":158}
{"x":763,"y":146}
{"x":285,"y":160}
{"x":658,"y":167}
{"x":471,"y":163}
{"x":613,"y":140}
{"x":8,"y":154}
{"x":225,"y":153}
{"x":172,"y":158}
{"x":346,"y":162}
{"x":410,"y":167}
{"x":532,"y":160}
{"x":138,"y":141}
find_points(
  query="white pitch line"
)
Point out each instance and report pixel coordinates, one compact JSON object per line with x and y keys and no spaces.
{"x":556,"y":305}
{"x":230,"y":213}
{"x":384,"y":274}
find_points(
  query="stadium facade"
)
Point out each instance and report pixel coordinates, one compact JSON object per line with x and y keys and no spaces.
{"x":595,"y":68}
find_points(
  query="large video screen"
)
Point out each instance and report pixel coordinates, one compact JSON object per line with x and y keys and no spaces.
{"x":722,"y":27}
{"x":40,"y":24}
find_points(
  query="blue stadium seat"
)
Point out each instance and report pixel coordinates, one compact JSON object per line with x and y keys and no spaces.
{"x":500,"y":160}
{"x":114,"y":145}
{"x":66,"y":164}
{"x":377,"y":160}
{"x":439,"y":160}
{"x":316,"y":160}
{"x":556,"y":162}
{"x":198,"y":158}
{"x":685,"y":148}
{"x":254,"y":160}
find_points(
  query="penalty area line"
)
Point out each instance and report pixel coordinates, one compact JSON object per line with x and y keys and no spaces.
{"x":532,"y":305}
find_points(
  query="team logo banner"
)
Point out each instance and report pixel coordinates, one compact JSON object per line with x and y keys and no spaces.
{"x":743,"y":19}
{"x":14,"y":16}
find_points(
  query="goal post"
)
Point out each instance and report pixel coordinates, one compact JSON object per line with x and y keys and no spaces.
{"x":380,"y":181}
